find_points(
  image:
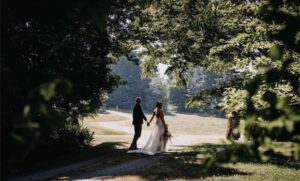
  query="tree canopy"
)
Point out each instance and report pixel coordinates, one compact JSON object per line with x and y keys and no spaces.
{"x":56,"y":61}
{"x":150,"y":90}
{"x":55,"y":67}
{"x":255,"y":42}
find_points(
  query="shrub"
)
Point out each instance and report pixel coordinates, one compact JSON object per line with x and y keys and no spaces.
{"x":72,"y":136}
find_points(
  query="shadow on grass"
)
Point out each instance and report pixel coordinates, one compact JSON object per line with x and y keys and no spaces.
{"x":47,"y":158}
{"x":191,"y":171}
{"x":190,"y":164}
{"x":182,"y":166}
{"x":105,"y":162}
{"x":239,"y":153}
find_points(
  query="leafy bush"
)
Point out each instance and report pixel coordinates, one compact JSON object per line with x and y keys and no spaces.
{"x":54,"y":66}
{"x":256,"y":42}
{"x":234,"y":99}
{"x":72,"y":136}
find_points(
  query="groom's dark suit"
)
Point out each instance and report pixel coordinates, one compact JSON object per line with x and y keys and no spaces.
{"x":138,"y":117}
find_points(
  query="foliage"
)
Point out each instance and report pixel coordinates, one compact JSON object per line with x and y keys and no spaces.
{"x":233,"y":99}
{"x":205,"y":81}
{"x":255,"y":42}
{"x":177,"y":99}
{"x":55,"y":67}
{"x":284,"y":84}
{"x":159,"y":89}
{"x":56,"y":58}
{"x":71,"y":136}
{"x":151,"y":90}
{"x":189,"y":165}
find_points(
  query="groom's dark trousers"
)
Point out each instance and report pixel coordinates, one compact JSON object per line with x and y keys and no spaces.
{"x":138,"y":117}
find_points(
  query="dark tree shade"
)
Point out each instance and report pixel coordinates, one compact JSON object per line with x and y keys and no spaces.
{"x":54,"y":68}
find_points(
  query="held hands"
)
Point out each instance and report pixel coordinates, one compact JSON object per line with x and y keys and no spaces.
{"x":148,"y":122}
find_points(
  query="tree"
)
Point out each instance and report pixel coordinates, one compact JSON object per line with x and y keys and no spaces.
{"x":177,"y":99}
{"x":134,"y":86}
{"x":255,"y":42}
{"x":55,"y":67}
{"x":198,"y":80}
{"x":158,"y":91}
{"x":150,"y":90}
{"x":282,"y":82}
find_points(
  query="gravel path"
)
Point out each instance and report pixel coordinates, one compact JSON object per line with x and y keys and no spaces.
{"x":121,"y":169}
{"x":56,"y":171}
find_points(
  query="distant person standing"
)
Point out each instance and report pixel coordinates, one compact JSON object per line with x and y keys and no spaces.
{"x":232,"y":126}
{"x":138,"y":117}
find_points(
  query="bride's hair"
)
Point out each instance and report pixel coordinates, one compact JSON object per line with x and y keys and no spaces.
{"x":158,"y":104}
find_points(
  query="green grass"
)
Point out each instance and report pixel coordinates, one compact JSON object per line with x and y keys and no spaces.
{"x":126,"y":139}
{"x":106,"y":131}
{"x":188,"y":165}
{"x":239,"y":171}
{"x":255,"y":171}
{"x":106,"y":117}
{"x":184,"y":165}
{"x":196,"y":125}
{"x":94,"y":124}
{"x":228,"y":172}
{"x":187,"y":124}
{"x":190,"y":124}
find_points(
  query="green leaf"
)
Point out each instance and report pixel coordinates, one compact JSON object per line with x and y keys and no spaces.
{"x":276,"y":52}
{"x":289,"y":125}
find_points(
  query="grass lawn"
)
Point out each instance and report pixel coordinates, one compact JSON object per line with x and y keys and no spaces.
{"x":106,"y":117}
{"x":190,"y":124}
{"x":193,"y":124}
{"x":228,"y":172}
{"x":187,"y":166}
{"x":186,"y":124}
{"x":94,"y":124}
{"x":99,"y":130}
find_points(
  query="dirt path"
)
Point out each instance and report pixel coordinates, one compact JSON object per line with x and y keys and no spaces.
{"x":179,"y":141}
{"x":120,"y":169}
{"x":44,"y":175}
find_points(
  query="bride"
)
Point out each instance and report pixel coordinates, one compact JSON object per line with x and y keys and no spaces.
{"x":156,"y":142}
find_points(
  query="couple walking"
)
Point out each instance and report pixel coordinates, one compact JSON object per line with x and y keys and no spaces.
{"x":159,"y":137}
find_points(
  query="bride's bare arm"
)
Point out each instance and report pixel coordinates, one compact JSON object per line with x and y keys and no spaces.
{"x":162,"y":116}
{"x":151,"y":118}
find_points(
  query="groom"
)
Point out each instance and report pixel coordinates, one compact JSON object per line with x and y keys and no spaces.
{"x":138,"y":117}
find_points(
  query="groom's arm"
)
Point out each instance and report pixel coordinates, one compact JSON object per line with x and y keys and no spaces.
{"x":144,"y":116}
{"x":142,"y":113}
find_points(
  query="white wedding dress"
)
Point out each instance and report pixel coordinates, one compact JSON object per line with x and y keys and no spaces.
{"x":155,"y":143}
